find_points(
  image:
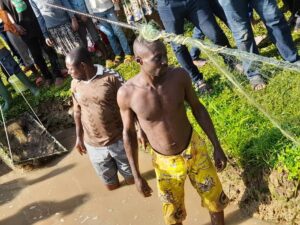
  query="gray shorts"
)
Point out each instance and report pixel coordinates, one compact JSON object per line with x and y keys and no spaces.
{"x":108,"y":160}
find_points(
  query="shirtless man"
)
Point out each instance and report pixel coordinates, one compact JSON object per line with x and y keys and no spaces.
{"x":156,"y":97}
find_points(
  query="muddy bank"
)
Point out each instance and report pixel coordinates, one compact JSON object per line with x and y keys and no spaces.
{"x":267,"y":195}
{"x":31,"y":145}
{"x":56,"y":114}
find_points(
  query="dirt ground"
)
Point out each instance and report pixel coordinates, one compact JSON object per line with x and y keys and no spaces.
{"x":67,"y":191}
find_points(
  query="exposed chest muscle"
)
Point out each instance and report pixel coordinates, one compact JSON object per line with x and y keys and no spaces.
{"x":153,"y":105}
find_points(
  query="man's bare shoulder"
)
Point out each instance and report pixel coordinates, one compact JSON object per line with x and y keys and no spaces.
{"x":179,"y":71}
{"x":130,"y":84}
{"x":127,"y":89}
{"x":179,"y":74}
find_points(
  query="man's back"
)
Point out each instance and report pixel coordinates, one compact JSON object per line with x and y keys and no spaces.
{"x":161,"y":111}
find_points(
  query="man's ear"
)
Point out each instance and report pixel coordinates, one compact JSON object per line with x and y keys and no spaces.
{"x":139,"y":60}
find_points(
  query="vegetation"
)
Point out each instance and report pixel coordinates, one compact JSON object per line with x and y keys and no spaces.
{"x":248,"y":136}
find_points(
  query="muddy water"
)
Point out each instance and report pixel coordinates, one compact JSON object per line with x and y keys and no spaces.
{"x":67,"y":191}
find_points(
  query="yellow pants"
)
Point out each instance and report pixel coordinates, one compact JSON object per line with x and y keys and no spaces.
{"x":171,"y":172}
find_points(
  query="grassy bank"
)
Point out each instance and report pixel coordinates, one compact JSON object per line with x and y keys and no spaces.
{"x":246,"y":134}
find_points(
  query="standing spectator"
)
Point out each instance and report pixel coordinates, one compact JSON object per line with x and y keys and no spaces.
{"x":294,"y":7}
{"x":22,"y":16}
{"x":198,"y":34}
{"x":115,"y":34}
{"x":10,"y":67}
{"x":58,"y":27}
{"x":3,"y":35}
{"x":17,"y":43}
{"x":278,"y":29}
{"x":97,"y":117}
{"x":137,"y":11}
{"x":173,"y":14}
{"x":86,"y":26}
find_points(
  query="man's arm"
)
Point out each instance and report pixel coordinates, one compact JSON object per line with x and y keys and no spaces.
{"x":201,"y":115}
{"x":21,"y":30}
{"x":79,"y":129}
{"x":130,"y":141}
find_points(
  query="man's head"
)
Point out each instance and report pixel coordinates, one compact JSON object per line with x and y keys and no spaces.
{"x":79,"y":63}
{"x":152,"y":56}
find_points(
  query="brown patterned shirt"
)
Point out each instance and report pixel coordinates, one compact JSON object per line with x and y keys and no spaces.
{"x":97,"y":102}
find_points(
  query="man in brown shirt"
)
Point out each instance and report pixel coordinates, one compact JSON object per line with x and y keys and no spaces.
{"x":97,"y":117}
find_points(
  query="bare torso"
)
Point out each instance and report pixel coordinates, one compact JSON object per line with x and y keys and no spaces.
{"x":161,"y":111}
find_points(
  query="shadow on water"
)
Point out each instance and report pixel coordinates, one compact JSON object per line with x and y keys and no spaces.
{"x":4,"y":169}
{"x":149,"y":175}
{"x":39,"y":211}
{"x":11,"y":189}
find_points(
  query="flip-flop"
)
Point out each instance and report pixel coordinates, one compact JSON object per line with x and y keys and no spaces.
{"x":202,"y":87}
{"x":256,"y":81}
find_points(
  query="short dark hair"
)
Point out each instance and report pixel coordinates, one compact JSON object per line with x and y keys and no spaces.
{"x":79,"y":55}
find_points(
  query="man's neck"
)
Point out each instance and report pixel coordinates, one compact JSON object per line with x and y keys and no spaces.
{"x":91,"y":73}
{"x":152,"y":81}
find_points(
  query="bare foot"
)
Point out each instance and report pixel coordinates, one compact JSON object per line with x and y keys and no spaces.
{"x":259,"y":87}
{"x":129,"y":181}
{"x":257,"y":83}
{"x":200,"y":62}
{"x":112,"y":187}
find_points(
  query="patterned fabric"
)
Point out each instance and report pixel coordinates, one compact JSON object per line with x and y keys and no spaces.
{"x":64,"y":38}
{"x":171,"y":173}
{"x":135,"y":10}
{"x":96,"y":100}
{"x":109,"y":160}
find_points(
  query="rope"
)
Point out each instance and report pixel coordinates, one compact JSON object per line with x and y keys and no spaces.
{"x":25,"y":99}
{"x":148,"y":32}
{"x":151,"y":34}
{"x":6,"y":133}
{"x":275,"y":123}
{"x":118,"y":23}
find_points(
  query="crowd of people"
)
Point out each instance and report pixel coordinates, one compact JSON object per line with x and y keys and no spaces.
{"x":111,"y":115}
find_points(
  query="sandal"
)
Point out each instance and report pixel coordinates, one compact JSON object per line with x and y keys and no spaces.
{"x":117,"y":60}
{"x":128,"y":58}
{"x":202,"y":87}
{"x":257,"y":83}
{"x":109,"y":63}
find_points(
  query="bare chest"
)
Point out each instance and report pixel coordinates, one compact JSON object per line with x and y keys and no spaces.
{"x":155,"y":104}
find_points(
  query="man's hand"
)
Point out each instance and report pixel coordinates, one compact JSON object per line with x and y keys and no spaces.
{"x":143,"y":187}
{"x":21,"y":30}
{"x":49,"y":42}
{"x":220,"y":159}
{"x":142,"y":138}
{"x":75,"y":25}
{"x":80,"y":146}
